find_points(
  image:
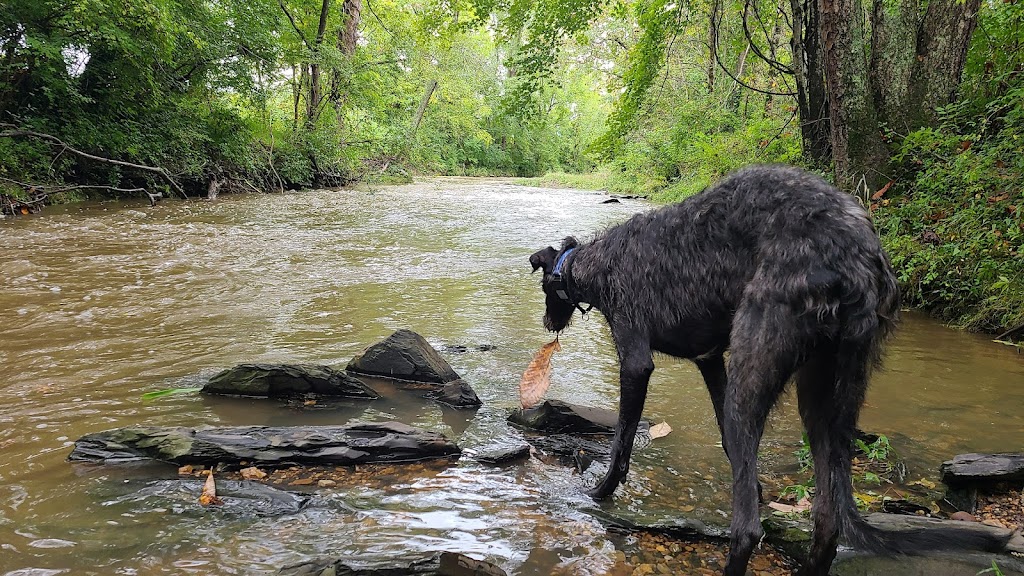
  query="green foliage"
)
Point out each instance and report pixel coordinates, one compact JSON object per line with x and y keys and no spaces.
{"x":955,"y":234}
{"x":954,"y":228}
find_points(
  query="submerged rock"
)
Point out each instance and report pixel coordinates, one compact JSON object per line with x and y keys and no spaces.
{"x":407,"y":356}
{"x":267,"y":446}
{"x":557,"y":417}
{"x":240,"y":498}
{"x":443,"y":564}
{"x":501,"y":454}
{"x":286,"y":380}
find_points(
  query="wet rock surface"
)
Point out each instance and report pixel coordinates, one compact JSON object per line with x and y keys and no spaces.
{"x":267,"y":446}
{"x":503,"y":453}
{"x":983,"y":470}
{"x":286,"y":381}
{"x":240,"y":498}
{"x":442,"y":564}
{"x":557,"y":417}
{"x":407,"y":356}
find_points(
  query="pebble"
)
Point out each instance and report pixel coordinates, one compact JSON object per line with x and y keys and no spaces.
{"x":963,"y":517}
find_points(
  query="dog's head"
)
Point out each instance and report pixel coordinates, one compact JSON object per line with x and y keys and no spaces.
{"x":557,"y":311}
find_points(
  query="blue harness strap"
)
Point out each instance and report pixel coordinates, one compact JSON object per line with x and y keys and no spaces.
{"x":561,"y":260}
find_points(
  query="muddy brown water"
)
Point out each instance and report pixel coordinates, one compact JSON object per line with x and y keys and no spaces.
{"x":102,"y":302}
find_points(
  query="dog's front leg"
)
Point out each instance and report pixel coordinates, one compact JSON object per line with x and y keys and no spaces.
{"x":635,"y":367}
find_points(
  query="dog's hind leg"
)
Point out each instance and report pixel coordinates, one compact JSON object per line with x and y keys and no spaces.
{"x":766,"y":347}
{"x":816,"y":392}
{"x":635,"y":367}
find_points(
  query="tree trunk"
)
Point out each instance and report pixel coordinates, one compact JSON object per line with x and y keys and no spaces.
{"x":713,"y":44}
{"x":858,"y":150}
{"x":941,"y":52}
{"x":427,"y":93}
{"x":812,"y":103}
{"x":316,"y":95}
{"x":348,"y":39}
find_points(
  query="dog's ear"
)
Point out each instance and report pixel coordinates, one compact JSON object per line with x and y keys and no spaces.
{"x":544,"y":259}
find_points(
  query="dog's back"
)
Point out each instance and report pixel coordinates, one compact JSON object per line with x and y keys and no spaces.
{"x":776,"y":230}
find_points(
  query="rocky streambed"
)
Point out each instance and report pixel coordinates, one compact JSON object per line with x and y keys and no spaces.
{"x":278,"y":471}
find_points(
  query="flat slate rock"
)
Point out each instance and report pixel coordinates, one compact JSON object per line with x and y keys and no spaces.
{"x":443,"y":564}
{"x":983,"y":469}
{"x":407,"y":356}
{"x":287,"y":380}
{"x":267,"y":446}
{"x":557,"y":417}
{"x":793,"y":537}
{"x":501,"y":454}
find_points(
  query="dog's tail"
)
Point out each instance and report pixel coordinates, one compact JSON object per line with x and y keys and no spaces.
{"x":863,"y":536}
{"x":868,"y":320}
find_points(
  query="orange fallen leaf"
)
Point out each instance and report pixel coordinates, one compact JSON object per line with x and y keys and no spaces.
{"x":185,"y":470}
{"x":882,"y":192}
{"x":209,"y":495}
{"x":537,"y":378}
{"x":253,"y":473}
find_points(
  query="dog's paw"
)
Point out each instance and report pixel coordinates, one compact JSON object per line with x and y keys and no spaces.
{"x":603,"y":490}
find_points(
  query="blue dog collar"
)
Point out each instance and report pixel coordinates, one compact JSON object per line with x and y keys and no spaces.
{"x":561,"y":260}
{"x":561,"y":286}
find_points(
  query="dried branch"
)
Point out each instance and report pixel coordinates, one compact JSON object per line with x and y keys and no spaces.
{"x":14,"y":132}
{"x":47,"y":190}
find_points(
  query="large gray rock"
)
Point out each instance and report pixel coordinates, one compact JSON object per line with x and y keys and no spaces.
{"x":406,"y":356}
{"x":982,"y":470}
{"x":266,"y":446}
{"x":793,"y":536}
{"x":287,"y":380}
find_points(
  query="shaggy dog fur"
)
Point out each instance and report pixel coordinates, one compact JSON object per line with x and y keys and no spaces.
{"x":787,"y":273}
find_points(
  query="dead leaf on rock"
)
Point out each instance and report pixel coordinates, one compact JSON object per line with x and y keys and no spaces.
{"x":802,"y":506}
{"x":537,"y":378}
{"x":185,"y":470}
{"x":660,"y":430}
{"x":209,"y":496}
{"x":253,"y":473}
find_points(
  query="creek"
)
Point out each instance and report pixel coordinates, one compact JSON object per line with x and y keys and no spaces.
{"x":102,"y":302}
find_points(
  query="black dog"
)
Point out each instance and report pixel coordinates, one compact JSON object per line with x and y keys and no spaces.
{"x":784,"y":271}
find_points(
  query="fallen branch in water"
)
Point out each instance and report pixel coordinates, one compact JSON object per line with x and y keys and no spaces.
{"x":15,"y":132}
{"x":41,"y":192}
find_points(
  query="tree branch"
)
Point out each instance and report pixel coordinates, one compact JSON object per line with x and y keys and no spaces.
{"x":14,"y":131}
{"x":753,"y":45}
{"x":46,"y":191}
{"x":748,"y":86}
{"x":294,"y":25}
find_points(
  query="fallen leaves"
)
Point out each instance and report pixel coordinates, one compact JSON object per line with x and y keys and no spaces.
{"x":802,"y":506}
{"x":660,"y":430}
{"x":537,"y":378}
{"x":209,"y":496}
{"x":252,"y":473}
